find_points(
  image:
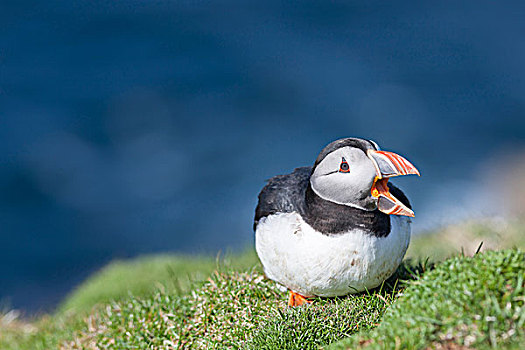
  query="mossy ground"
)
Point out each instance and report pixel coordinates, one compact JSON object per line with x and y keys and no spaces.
{"x":464,"y":302}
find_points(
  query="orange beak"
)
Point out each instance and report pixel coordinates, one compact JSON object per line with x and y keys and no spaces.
{"x":388,"y":165}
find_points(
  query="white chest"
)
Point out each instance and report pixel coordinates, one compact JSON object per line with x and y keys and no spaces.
{"x":310,"y":263}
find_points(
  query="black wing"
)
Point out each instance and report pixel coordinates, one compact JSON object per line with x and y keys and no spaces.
{"x":283,"y":194}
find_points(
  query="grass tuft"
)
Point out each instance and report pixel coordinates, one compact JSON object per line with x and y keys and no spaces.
{"x":330,"y":319}
{"x":321,"y":323}
{"x":465,"y":302}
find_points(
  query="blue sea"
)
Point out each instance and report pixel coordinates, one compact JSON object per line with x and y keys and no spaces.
{"x":136,"y":127}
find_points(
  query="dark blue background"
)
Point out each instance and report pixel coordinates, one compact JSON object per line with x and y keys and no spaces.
{"x":131,"y":127}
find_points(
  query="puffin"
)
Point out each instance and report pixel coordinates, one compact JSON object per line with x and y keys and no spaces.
{"x":338,"y":227}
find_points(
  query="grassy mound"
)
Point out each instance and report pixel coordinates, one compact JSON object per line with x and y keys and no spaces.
{"x":179,"y":302}
{"x":224,"y":311}
{"x":465,"y":302}
{"x":143,"y":275}
{"x":232,"y":309}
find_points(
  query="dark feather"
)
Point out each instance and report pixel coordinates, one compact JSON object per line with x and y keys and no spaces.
{"x":283,"y":194}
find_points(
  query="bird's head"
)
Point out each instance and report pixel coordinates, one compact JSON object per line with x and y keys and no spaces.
{"x":355,"y":172}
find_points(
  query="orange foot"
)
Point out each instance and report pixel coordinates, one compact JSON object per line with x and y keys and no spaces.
{"x":297,"y":300}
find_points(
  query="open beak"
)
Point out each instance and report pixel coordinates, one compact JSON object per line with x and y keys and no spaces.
{"x":389,"y":164}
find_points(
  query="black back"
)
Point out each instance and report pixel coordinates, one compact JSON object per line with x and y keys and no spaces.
{"x":283,"y":194}
{"x":292,"y":192}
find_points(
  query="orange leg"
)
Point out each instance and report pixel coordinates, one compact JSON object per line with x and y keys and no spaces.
{"x":297,"y":300}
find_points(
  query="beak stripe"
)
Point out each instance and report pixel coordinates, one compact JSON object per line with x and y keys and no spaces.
{"x":390,"y":205}
{"x":398,"y":163}
{"x":397,"y":210}
{"x":403,"y":165}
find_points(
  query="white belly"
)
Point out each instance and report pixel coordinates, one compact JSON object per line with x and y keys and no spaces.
{"x":310,"y":263}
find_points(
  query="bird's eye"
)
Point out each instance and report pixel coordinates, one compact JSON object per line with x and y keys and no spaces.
{"x":344,"y":168}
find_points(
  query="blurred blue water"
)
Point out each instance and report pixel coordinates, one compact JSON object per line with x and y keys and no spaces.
{"x":142,"y":126}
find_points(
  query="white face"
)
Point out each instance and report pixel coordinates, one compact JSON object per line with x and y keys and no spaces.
{"x":350,"y":185}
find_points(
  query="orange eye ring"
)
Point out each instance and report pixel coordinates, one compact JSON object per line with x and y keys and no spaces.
{"x":344,"y":167}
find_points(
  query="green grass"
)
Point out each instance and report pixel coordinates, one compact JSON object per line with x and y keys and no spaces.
{"x":232,"y":309}
{"x":330,"y":319}
{"x":473,"y":302}
{"x":143,"y":275}
{"x":42,"y":333}
{"x":222,"y":312}
{"x":163,"y":302}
